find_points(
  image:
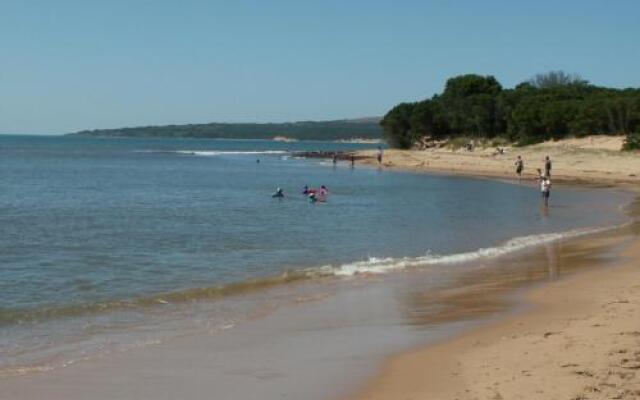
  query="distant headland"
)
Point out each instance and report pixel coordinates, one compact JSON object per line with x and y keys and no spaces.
{"x":342,"y":130}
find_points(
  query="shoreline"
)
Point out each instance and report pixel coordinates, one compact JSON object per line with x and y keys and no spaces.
{"x":476,"y":300}
{"x":193,"y":351}
{"x":577,"y":338}
{"x":531,"y":354}
{"x":572,"y":338}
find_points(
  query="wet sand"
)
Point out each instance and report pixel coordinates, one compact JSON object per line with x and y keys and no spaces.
{"x":579,"y":339}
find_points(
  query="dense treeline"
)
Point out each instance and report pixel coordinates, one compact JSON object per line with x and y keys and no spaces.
{"x":549,"y":106}
{"x":366,"y":128}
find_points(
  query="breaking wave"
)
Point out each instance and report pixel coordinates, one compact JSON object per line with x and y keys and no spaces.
{"x":215,"y":152}
{"x":385,"y":265}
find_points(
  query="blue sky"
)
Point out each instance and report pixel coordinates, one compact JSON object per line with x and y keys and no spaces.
{"x":72,"y":65}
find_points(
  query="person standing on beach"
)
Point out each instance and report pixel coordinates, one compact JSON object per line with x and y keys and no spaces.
{"x":380,"y":154}
{"x":545,"y":188}
{"x":519,"y":167}
{"x":547,"y":167}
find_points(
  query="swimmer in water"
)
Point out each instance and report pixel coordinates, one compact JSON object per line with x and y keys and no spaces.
{"x":279,"y":193}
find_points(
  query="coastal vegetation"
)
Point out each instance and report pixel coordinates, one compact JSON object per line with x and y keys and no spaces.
{"x":549,"y":106}
{"x":364,"y":128}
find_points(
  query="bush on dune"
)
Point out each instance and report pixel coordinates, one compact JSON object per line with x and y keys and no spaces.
{"x":549,"y":106}
{"x":632,"y":141}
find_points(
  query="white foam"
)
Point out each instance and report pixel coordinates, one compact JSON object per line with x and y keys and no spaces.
{"x":384,"y":265}
{"x":215,"y":152}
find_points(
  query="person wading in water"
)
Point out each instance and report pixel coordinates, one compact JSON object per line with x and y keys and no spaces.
{"x":545,"y":188}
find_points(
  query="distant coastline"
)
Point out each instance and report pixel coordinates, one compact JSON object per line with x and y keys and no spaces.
{"x":347,"y":130}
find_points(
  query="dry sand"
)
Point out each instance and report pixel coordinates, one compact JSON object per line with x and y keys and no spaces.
{"x":595,"y":159}
{"x":581,"y":340}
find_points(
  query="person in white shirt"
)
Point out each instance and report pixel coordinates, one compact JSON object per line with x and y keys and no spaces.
{"x":545,"y":188}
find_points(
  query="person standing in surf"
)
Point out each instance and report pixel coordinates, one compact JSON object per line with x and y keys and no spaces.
{"x":545,"y":188}
{"x":519,"y":167}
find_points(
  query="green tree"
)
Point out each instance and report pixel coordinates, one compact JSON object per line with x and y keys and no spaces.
{"x":469,"y":102}
{"x":428,"y":120}
{"x":548,"y":106}
{"x":556,"y":78}
{"x":397,"y":126}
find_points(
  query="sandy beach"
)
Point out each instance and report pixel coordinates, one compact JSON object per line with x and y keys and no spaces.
{"x":594,"y":159}
{"x":581,"y":337}
{"x":581,"y":340}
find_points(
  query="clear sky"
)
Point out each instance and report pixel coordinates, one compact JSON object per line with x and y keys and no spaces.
{"x":71,"y":65}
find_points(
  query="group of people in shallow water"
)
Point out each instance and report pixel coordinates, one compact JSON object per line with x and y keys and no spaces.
{"x":313,"y":194}
{"x":543,"y":179}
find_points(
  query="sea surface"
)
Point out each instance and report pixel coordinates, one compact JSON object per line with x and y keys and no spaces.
{"x":109,"y":244}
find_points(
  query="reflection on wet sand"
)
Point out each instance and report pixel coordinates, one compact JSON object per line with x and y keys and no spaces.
{"x":487,"y":289}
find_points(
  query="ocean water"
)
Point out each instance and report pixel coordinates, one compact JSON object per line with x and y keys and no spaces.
{"x":107,"y":244}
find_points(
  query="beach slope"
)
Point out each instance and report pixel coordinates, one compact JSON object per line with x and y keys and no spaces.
{"x":580,"y":340}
